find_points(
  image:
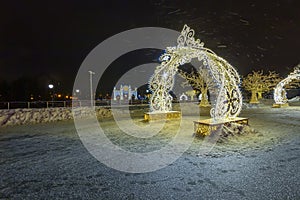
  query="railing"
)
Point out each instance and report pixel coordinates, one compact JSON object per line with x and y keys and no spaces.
{"x":70,"y":103}
{"x":77,"y":103}
{"x":34,"y":104}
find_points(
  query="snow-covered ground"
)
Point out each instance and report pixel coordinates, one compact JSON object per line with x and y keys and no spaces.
{"x":43,"y":115}
{"x":294,"y":99}
{"x":48,"y":161}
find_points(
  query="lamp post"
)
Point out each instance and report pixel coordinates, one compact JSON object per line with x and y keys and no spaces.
{"x":77,"y":92}
{"x":91,"y":86}
{"x":50,"y":86}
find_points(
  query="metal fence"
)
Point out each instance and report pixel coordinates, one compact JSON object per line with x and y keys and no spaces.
{"x":76,"y":103}
{"x":34,"y":104}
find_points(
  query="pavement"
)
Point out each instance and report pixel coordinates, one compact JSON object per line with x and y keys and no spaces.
{"x":48,"y":161}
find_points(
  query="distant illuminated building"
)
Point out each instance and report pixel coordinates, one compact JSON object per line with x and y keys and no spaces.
{"x":124,"y":93}
{"x":183,"y":97}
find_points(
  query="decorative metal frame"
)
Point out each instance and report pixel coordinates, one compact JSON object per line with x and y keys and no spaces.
{"x":279,"y":91}
{"x":223,"y":80}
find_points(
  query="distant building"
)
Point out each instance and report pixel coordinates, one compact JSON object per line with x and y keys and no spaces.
{"x":125,"y":93}
{"x":183,"y":97}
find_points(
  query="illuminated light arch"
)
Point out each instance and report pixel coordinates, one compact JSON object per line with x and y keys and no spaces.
{"x":279,"y":91}
{"x":222,"y":79}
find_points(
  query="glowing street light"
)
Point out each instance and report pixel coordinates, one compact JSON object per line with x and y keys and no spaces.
{"x":51,"y":86}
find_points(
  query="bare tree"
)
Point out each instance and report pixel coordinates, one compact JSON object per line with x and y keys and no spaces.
{"x":294,"y":84}
{"x":258,"y":83}
{"x":195,"y":79}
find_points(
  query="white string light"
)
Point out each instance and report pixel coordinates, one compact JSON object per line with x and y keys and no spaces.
{"x":225,"y":86}
{"x":279,"y":91}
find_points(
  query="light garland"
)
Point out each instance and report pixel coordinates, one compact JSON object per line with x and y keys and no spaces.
{"x":224,"y":88}
{"x":279,"y":91}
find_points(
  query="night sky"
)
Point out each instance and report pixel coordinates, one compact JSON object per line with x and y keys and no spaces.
{"x":50,"y":39}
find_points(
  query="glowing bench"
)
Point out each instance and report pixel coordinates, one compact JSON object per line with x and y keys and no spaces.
{"x":280,"y":105}
{"x":205,"y":127}
{"x":162,"y":115}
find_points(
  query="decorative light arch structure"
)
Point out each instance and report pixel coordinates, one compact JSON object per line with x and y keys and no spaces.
{"x":279,"y":91}
{"x":222,"y":79}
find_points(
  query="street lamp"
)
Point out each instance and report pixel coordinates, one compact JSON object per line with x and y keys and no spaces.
{"x":76,"y":93}
{"x":51,"y":86}
{"x":91,"y":86}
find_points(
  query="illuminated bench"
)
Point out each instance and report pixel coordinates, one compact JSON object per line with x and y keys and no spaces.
{"x":162,"y":115}
{"x":280,"y":105}
{"x":205,"y":127}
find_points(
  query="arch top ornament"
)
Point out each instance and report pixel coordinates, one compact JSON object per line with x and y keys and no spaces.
{"x":221,"y":78}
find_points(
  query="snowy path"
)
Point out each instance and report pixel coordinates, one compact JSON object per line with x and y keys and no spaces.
{"x":48,"y":161}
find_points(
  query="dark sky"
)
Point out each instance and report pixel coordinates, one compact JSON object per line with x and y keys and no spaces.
{"x":51,"y":38}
